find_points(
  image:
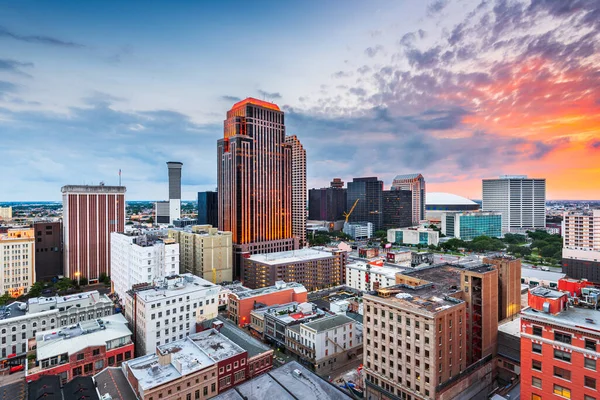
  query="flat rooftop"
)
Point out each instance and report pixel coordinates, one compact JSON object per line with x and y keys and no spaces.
{"x":287,"y":257}
{"x":573,"y":317}
{"x":112,"y":381}
{"x":244,"y":340}
{"x":541,"y":275}
{"x":216,"y":345}
{"x":174,"y":286}
{"x":546,"y":293}
{"x":512,"y":328}
{"x":386,"y":270}
{"x":327,"y":323}
{"x":298,"y":288}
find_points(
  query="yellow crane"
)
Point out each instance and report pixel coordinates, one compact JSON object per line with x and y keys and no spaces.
{"x":347,"y":214}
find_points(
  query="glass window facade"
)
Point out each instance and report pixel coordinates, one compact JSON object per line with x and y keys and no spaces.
{"x":475,"y":225}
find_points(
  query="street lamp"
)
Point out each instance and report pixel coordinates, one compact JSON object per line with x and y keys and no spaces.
{"x":77,"y":276}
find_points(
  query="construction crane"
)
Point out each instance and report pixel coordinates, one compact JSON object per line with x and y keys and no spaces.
{"x":347,"y":214}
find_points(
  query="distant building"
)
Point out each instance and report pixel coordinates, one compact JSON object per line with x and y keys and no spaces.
{"x":161,"y":211}
{"x":82,"y":349}
{"x":6,"y":213}
{"x":137,"y":258}
{"x":397,"y":209}
{"x":368,"y":252}
{"x":18,"y":261}
{"x":581,"y":245}
{"x":414,"y":236}
{"x":327,"y":204}
{"x":438,"y":203}
{"x":90,"y":215}
{"x":48,"y":250}
{"x":469,"y":225}
{"x":369,"y":208}
{"x":416,"y":184}
{"x":298,"y":189}
{"x":208,"y":208}
{"x":359,"y":230}
{"x":183,"y":222}
{"x":205,"y":252}
{"x":521,"y":200}
{"x":401,"y":258}
{"x":366,"y":276}
{"x":314,"y":268}
{"x":169,"y":310}
{"x":174,"y":168}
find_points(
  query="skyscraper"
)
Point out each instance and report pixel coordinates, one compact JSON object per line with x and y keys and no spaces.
{"x":368,"y":192}
{"x":48,"y":250}
{"x":521,"y":201}
{"x":397,"y":209}
{"x":208,"y":208}
{"x":415,"y":183}
{"x":90,"y":214}
{"x":254,"y":176}
{"x":327,"y":204}
{"x":298,"y":189}
{"x":174,"y":190}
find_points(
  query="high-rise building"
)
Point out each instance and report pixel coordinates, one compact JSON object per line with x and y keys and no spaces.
{"x":298,"y":189}
{"x":6,"y":213}
{"x":174,"y":190}
{"x":397,"y":209}
{"x":337,"y":183}
{"x":416,"y":184}
{"x":205,"y":252}
{"x":509,"y":281}
{"x":468,"y":225}
{"x":254,"y":174}
{"x":17,"y":261}
{"x":208,"y":208}
{"x":90,"y":214}
{"x":327,"y":204}
{"x":521,"y":200}
{"x":48,"y":250}
{"x":369,"y":208}
{"x":137,"y":258}
{"x":581,"y":245}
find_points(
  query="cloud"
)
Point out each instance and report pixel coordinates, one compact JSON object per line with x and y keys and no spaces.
{"x":342,"y":74}
{"x":373,"y":51}
{"x":269,"y":95}
{"x":230,"y":99}
{"x":595,"y":144}
{"x":14,"y":66}
{"x":7,"y":87}
{"x":436,"y":6}
{"x":40,"y":39}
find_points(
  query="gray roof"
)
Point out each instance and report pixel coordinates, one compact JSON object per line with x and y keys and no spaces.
{"x":253,"y":346}
{"x":407,"y":176}
{"x":327,"y":323}
{"x":355,"y":316}
{"x":113,"y":381}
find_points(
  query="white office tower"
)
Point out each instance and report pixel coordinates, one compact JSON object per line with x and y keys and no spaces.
{"x":139,"y":259}
{"x":521,"y":200}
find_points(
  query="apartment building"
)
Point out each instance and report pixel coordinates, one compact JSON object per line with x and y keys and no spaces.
{"x":205,"y":252}
{"x":168,"y":310}
{"x":17,"y":259}
{"x":509,"y":280}
{"x":298,"y":188}
{"x":83,"y":349}
{"x":368,"y":276}
{"x":581,"y":245}
{"x":140,"y":258}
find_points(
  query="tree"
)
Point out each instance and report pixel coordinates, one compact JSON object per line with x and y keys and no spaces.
{"x":64,"y":284}
{"x":5,"y":298}
{"x":150,"y":220}
{"x":539,"y":244}
{"x":550,"y":250}
{"x":36,"y":289}
{"x":381,"y":234}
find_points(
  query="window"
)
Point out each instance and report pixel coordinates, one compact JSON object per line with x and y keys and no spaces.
{"x":111,"y":360}
{"x":586,"y":397}
{"x":80,"y":357}
{"x":98,"y":365}
{"x":562,"y":337}
{"x":536,"y":396}
{"x":562,"y":391}
{"x":95,"y":352}
{"x":562,"y":355}
{"x":537,"y":331}
{"x":77,"y":371}
{"x":87,"y":368}
{"x":562,"y":373}
{"x":590,"y":344}
{"x":537,"y":365}
{"x":589,"y":382}
{"x":536,"y":348}
{"x":589,"y":363}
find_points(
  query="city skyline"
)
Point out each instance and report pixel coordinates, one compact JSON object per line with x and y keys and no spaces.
{"x":460,"y":91}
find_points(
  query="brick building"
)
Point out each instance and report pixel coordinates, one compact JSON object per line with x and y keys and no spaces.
{"x":509,"y":280}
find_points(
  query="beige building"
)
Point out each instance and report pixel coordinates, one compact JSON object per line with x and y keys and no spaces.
{"x":17,"y":261}
{"x":205,"y":252}
{"x":6,"y":213}
{"x":299,"y":203}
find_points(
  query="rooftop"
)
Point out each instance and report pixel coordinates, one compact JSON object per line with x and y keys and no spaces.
{"x":256,"y":102}
{"x":216,"y":345}
{"x":93,"y":189}
{"x":407,"y":176}
{"x":512,"y":327}
{"x":541,"y":275}
{"x":175,"y":285}
{"x":327,"y":323}
{"x":279,"y":286}
{"x":389,"y":272}
{"x":445,"y":199}
{"x":112,"y":381}
{"x":546,"y":293}
{"x":294,"y":311}
{"x":247,"y":342}
{"x":285,"y":257}
{"x":572,"y":317}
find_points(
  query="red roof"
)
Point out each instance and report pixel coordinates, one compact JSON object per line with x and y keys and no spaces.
{"x":257,"y":102}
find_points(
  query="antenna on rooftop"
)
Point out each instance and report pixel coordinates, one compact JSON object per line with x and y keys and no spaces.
{"x":119,"y":176}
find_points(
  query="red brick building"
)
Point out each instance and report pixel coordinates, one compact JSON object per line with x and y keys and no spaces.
{"x":559,"y":346}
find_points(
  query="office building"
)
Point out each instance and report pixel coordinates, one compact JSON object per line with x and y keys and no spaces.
{"x":44,"y":313}
{"x":367,"y":276}
{"x":397,"y":209}
{"x":437,"y":203}
{"x":414,"y":236}
{"x":17,"y":261}
{"x":254,"y":175}
{"x":174,"y":168}
{"x":161,"y":211}
{"x":169,"y":309}
{"x":205,"y":252}
{"x":183,"y":222}
{"x":469,"y":225}
{"x":314,"y":268}
{"x":208,"y":208}
{"x":359,"y":230}
{"x":581,"y":245}
{"x":328,"y":204}
{"x":242,"y":302}
{"x":367,"y":194}
{"x":509,"y":281}
{"x":82,"y":349}
{"x":137,"y":258}
{"x":416,"y":184}
{"x":521,"y":200}
{"x":6,"y":213}
{"x":559,"y":346}
{"x":90,"y":215}
{"x":298,"y":189}
{"x":48,"y":250}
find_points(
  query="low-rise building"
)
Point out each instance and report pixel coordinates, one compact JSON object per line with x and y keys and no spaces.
{"x":368,"y":252}
{"x":83,"y":349}
{"x":358,"y":230}
{"x":17,"y":261}
{"x":467,"y":225}
{"x":277,"y":319}
{"x":6,"y":213}
{"x":508,"y":359}
{"x":537,"y":277}
{"x":414,"y":236}
{"x":366,"y":276}
{"x":314,"y":268}
{"x":168,"y":310}
{"x":401,"y":258}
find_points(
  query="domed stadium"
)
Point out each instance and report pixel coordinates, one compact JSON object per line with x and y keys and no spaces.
{"x":437,"y":203}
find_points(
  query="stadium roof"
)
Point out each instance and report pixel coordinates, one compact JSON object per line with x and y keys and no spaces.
{"x":439,"y":198}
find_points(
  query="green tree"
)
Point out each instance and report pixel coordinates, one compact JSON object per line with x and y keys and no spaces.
{"x":550,"y":250}
{"x":5,"y":298}
{"x":539,"y":244}
{"x":64,"y":284}
{"x":36,"y":289}
{"x":150,"y":220}
{"x":381,"y":234}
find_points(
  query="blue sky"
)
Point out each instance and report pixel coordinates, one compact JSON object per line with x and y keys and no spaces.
{"x":370,"y":88}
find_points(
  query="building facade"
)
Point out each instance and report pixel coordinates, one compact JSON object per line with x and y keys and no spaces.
{"x":367,"y":194}
{"x":174,"y":168}
{"x":469,"y":225}
{"x":509,"y":281}
{"x":313,"y":268}
{"x":327,"y":204}
{"x":17,"y":259}
{"x":365,"y":276}
{"x":90,"y":215}
{"x":255,"y":204}
{"x":6,"y":213}
{"x":397,"y":209}
{"x":205,"y":252}
{"x":521,"y":200}
{"x":438,"y":203}
{"x":581,"y":245}
{"x":416,"y":184}
{"x":137,"y":258}
{"x":358,"y":230}
{"x":208,"y":208}
{"x":414,"y":236}
{"x":298,"y":189}
{"x":48,"y":250}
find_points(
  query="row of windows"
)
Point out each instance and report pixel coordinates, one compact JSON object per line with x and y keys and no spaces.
{"x":590,"y":344}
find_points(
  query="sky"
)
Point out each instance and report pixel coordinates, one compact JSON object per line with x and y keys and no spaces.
{"x":457,"y":90}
